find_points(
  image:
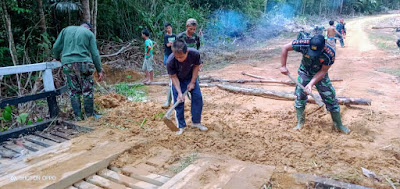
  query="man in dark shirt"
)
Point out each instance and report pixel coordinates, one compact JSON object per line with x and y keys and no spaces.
{"x":342,"y":30}
{"x":183,"y":68}
{"x":317,"y":59}
{"x":169,"y":38}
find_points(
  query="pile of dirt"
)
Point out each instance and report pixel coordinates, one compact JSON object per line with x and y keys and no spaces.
{"x":263,"y":137}
{"x":111,"y":100}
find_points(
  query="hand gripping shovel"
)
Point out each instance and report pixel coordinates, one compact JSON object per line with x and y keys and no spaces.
{"x":167,"y":117}
{"x":317,"y":100}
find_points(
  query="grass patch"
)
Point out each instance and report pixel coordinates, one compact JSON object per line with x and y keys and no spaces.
{"x":185,"y":162}
{"x":383,"y":38}
{"x":133,"y":92}
{"x":392,"y":71}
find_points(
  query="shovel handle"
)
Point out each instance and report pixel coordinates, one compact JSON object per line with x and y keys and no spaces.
{"x":167,"y":115}
{"x":302,"y":87}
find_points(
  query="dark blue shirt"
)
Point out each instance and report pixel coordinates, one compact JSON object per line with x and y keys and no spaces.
{"x":340,"y":28}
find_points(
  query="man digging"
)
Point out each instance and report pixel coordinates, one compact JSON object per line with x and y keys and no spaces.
{"x":313,"y":70}
{"x":183,"y":68}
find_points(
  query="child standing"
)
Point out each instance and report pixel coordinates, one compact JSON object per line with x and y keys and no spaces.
{"x":169,"y":38}
{"x":148,"y":56}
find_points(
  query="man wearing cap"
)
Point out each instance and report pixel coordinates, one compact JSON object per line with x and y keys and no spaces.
{"x":313,"y":70}
{"x":342,"y":30}
{"x":76,"y":47}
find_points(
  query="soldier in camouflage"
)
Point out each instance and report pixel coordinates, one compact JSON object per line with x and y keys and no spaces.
{"x":189,"y":36}
{"x":317,"y":59}
{"x":76,"y":47}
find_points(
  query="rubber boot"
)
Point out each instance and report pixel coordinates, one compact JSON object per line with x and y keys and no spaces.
{"x":337,"y":122}
{"x":76,"y":107}
{"x":301,"y":117}
{"x":89,"y":106}
{"x":169,"y":99}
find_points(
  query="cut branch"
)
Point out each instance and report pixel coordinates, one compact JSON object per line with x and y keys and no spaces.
{"x":282,"y":95}
{"x":123,"y":49}
{"x":262,"y":78}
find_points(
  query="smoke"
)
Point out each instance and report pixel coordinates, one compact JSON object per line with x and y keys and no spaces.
{"x":225,"y":25}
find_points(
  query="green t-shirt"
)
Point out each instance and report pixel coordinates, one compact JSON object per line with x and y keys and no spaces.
{"x":77,"y":44}
{"x":147,"y":43}
{"x":309,"y":65}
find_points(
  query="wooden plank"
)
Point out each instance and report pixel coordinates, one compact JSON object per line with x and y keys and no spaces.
{"x":6,"y":153}
{"x":125,"y":180}
{"x":60,"y":134}
{"x":15,"y":133}
{"x":71,"y":187}
{"x":48,"y":81}
{"x":40,"y":141}
{"x":92,"y":167}
{"x":85,"y":185}
{"x":17,"y":148}
{"x":9,"y":70}
{"x":104,"y":183}
{"x":49,"y":137}
{"x":28,"y":98}
{"x":18,"y":165}
{"x":143,"y":175}
{"x":191,"y":169}
{"x":28,"y":144}
{"x":252,"y":177}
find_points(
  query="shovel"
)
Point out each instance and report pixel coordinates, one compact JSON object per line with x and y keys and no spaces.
{"x":317,"y":100}
{"x":167,"y":117}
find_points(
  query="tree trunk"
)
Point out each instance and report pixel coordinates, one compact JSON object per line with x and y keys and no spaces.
{"x":85,"y":11}
{"x":11,"y":44}
{"x":42,"y":23}
{"x":283,"y":95}
{"x":266,"y":6}
{"x":94,"y":23}
{"x":43,"y":28}
{"x":341,"y":7}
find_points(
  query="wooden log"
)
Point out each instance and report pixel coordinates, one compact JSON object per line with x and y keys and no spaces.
{"x":252,"y":75}
{"x":262,"y":78}
{"x":282,"y":95}
{"x":251,"y":81}
{"x":385,"y":27}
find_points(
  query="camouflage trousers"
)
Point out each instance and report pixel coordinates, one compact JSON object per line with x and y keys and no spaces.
{"x":325,"y":90}
{"x":80,"y":79}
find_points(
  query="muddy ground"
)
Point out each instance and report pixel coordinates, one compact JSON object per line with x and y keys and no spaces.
{"x":260,"y":130}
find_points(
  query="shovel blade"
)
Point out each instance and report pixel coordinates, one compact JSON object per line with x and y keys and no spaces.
{"x":170,"y":124}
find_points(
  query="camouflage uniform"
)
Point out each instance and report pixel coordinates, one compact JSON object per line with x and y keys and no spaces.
{"x":193,"y":42}
{"x":80,"y":79}
{"x":308,"y":68}
{"x":80,"y":82}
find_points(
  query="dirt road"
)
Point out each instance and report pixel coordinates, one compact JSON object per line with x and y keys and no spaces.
{"x":260,"y":130}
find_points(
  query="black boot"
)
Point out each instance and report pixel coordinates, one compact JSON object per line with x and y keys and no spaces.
{"x":77,"y":107}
